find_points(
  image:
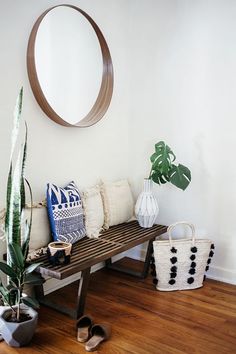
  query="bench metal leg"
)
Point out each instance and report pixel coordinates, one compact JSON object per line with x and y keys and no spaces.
{"x":38,"y":291}
{"x":143,"y":274}
{"x":81,"y":298}
{"x":82,"y":292}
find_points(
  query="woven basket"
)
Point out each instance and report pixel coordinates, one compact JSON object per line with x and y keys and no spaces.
{"x":181,"y":264}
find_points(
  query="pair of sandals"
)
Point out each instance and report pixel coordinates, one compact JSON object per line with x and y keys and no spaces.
{"x":92,"y":334}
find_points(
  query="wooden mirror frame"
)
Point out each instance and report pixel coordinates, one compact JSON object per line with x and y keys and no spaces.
{"x":104,"y":96}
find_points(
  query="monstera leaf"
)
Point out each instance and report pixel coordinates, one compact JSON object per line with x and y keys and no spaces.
{"x":163,"y":170}
{"x":180,"y":176}
{"x":159,"y":178}
{"x":162,"y":158}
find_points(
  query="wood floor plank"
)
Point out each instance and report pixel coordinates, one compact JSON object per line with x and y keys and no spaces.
{"x":144,"y":320}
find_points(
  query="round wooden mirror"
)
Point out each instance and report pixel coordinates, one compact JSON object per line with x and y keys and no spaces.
{"x":69,"y":67}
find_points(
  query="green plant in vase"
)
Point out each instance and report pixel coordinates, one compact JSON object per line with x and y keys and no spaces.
{"x":163,"y":170}
{"x":18,"y":271}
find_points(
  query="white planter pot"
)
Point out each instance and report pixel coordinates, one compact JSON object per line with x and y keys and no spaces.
{"x":146,"y":208}
{"x":18,"y":334}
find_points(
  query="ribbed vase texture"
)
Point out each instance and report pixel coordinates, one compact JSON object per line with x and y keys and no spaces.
{"x":146,"y":208}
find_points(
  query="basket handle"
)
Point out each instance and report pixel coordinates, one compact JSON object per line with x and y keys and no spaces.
{"x":171,"y":227}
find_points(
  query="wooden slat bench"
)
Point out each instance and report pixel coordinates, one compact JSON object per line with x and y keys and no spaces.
{"x":88,"y":252}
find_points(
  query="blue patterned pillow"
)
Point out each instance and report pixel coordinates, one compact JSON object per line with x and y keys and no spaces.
{"x":65,"y":212}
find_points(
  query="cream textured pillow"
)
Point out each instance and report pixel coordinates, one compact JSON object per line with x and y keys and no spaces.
{"x":93,"y":211}
{"x":40,"y":235}
{"x":118,"y":202}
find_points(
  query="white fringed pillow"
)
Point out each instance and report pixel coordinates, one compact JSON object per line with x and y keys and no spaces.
{"x":93,"y":211}
{"x":118,"y":202}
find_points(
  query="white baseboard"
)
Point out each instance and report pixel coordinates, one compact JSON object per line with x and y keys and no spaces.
{"x":52,"y":284}
{"x":222,"y":274}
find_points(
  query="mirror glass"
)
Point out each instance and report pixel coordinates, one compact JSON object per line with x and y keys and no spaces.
{"x":69,"y":66}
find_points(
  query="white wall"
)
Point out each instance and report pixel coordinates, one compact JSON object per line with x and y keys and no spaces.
{"x":55,"y":153}
{"x":174,"y":66}
{"x":183,"y":85}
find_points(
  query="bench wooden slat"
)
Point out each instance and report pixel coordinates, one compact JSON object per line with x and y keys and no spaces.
{"x":127,"y":237}
{"x":88,"y":252}
{"x":76,"y":266}
{"x":79,"y":254}
{"x":124,"y":233}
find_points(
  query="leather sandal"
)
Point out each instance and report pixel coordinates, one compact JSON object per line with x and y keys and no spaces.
{"x":99,"y":333}
{"x":84,"y":325}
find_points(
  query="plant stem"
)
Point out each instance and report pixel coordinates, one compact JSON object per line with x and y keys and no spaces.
{"x":150,"y":173}
{"x":18,"y":306}
{"x":18,"y":313}
{"x":13,"y":310}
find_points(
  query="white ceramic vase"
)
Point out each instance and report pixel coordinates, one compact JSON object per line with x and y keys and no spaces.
{"x":146,"y":208}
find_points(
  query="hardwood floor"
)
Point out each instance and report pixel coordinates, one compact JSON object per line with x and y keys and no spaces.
{"x":144,"y":321}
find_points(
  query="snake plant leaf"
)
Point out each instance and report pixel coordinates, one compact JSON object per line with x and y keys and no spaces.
{"x":29,"y":301}
{"x":180,"y":176}
{"x":28,"y":225}
{"x":22,"y":193}
{"x":13,"y":203}
{"x":6,"y":269}
{"x":162,"y":158}
{"x":22,"y":187}
{"x":9,"y":188}
{"x":15,"y":132}
{"x":16,"y":122}
{"x":25,"y":236}
{"x":14,"y":217}
{"x":16,"y":256}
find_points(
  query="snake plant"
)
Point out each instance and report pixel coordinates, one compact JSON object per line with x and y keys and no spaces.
{"x":18,"y":271}
{"x":163,"y":169}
